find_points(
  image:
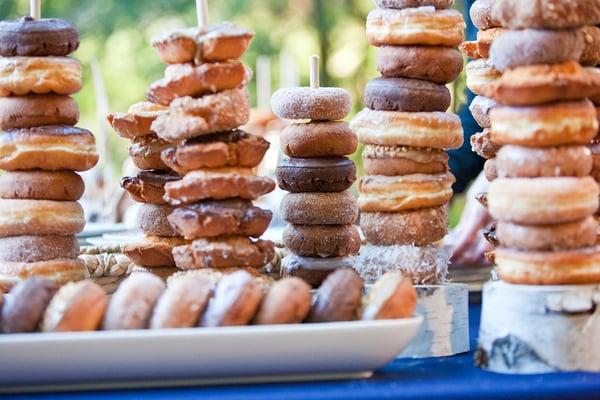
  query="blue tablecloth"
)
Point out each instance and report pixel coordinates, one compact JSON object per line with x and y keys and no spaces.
{"x":438,"y":378}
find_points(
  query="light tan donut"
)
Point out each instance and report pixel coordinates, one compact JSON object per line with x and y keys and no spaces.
{"x":40,"y":217}
{"x":531,"y":162}
{"x":393,"y":296}
{"x":137,"y":120}
{"x":319,"y":104}
{"x":61,"y":271}
{"x":480,"y":74}
{"x":22,"y":75}
{"x":37,"y":109}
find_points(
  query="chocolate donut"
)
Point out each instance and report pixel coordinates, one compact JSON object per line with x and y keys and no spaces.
{"x":41,"y":185}
{"x":313,"y":208}
{"x":320,"y":104}
{"x":145,"y":152}
{"x":287,"y":302}
{"x":480,"y":108}
{"x":37,"y":37}
{"x":152,"y":220}
{"x":437,"y":64}
{"x":338,"y":298}
{"x":401,"y":94}
{"x":24,"y":308}
{"x":313,"y":270}
{"x":35,"y":110}
{"x":148,"y":186}
{"x":402,"y":160}
{"x":530,"y":162}
{"x":318,"y":139}
{"x":546,"y":14}
{"x":481,"y":15}
{"x":30,"y":249}
{"x":332,"y":174}
{"x":322,"y":240}
{"x":400,"y":4}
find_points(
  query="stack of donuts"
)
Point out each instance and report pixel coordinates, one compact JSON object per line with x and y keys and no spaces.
{"x":319,"y":209}
{"x":40,"y":150}
{"x":405,"y":127}
{"x":543,"y":197}
{"x":200,"y":213}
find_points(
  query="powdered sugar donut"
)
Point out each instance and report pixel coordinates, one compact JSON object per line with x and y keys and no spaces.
{"x":321,"y":104}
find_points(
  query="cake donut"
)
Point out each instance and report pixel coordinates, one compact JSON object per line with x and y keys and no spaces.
{"x":393,"y":296}
{"x":37,"y":37}
{"x":40,"y":217}
{"x":152,"y":220}
{"x":481,"y":74}
{"x":153,"y":251}
{"x":318,"y":139}
{"x":546,"y":14}
{"x":137,"y":121}
{"x":288,"y":301}
{"x":338,"y":298}
{"x":321,"y":104}
{"x":322,"y":240}
{"x":145,"y":152}
{"x":59,"y":270}
{"x":402,"y":160}
{"x":481,"y":15}
{"x":35,"y":110}
{"x":23,"y":75}
{"x":41,"y":185}
{"x":148,"y":186}
{"x":29,"y":249}
{"x":324,"y":174}
{"x":530,"y":162}
{"x":314,"y":208}
{"x":24,"y":308}
{"x":401,"y":4}
{"x":313,"y":270}
{"x":591,"y":49}
{"x":480,"y":108}
{"x":401,"y":94}
{"x":483,"y":145}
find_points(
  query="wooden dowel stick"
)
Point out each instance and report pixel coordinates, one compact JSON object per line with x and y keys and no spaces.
{"x":202,"y":13}
{"x":35,"y":8}
{"x":314,"y":72}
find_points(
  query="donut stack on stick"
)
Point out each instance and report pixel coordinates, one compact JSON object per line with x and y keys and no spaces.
{"x":40,"y":150}
{"x":405,"y":130}
{"x":319,"y":208}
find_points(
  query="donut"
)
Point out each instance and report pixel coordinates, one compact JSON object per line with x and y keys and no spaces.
{"x":321,"y":104}
{"x":378,"y":193}
{"x":153,"y":251}
{"x":152,"y":220}
{"x":415,"y":26}
{"x":338,"y":298}
{"x":41,"y":185}
{"x":196,"y":80}
{"x":182,"y":302}
{"x":595,"y":150}
{"x":490,"y":169}
{"x":437,"y":130}
{"x":485,"y":39}
{"x":418,"y":227}
{"x":218,"y":184}
{"x":131,"y":305}
{"x":313,"y":270}
{"x":546,"y":14}
{"x":225,"y":252}
{"x":481,"y":15}
{"x":470,"y":49}
{"x":437,"y":64}
{"x":77,"y":306}
{"x":480,"y":75}
{"x":145,"y":152}
{"x":234,"y":148}
{"x":322,"y":240}
{"x":533,"y":46}
{"x":536,"y":84}
{"x":37,"y":37}
{"x":482,"y":144}
{"x":216,"y":218}
{"x":402,"y":160}
{"x":480,"y":108}
{"x":540,"y":201}
{"x":137,"y":120}
{"x":401,"y":94}
{"x":35,"y":110}
{"x":571,"y":235}
{"x":393,"y":296}
{"x":530,"y":162}
{"x":287,"y":302}
{"x":189,"y":117}
{"x":39,"y":75}
{"x":401,"y":4}
{"x":29,"y":249}
{"x":566,"y":267}
{"x":591,"y":48}
{"x":546,"y":125}
{"x":40,"y":217}
{"x":237,"y":298}
{"x":318,"y":139}
{"x":331,"y":174}
{"x":24,"y":308}
{"x":60,"y":271}
{"x":313,"y":208}
{"x":51,"y":147}
{"x":220,"y":42}
{"x":147,"y":186}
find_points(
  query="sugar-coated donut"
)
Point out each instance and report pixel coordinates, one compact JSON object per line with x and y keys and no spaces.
{"x":490,"y":169}
{"x":482,"y":144}
{"x":546,"y":14}
{"x":39,"y":75}
{"x":314,"y":208}
{"x":287,"y":302}
{"x":322,"y":240}
{"x":37,"y":37}
{"x":393,"y":296}
{"x":480,"y":108}
{"x":29,"y":249}
{"x":539,"y":201}
{"x":77,"y":306}
{"x":591,"y":48}
{"x":401,"y":4}
{"x":313,"y":270}
{"x":415,"y":26}
{"x":481,"y":15}
{"x":530,"y":162}
{"x":41,"y":185}
{"x":131,"y":305}
{"x":331,"y":174}
{"x":40,"y":217}
{"x":418,"y":227}
{"x":152,"y":220}
{"x":137,"y":120}
{"x":148,"y":186}
{"x":24,"y":308}
{"x":480,"y":75}
{"x":320,"y":104}
{"x":379,"y":193}
{"x":402,"y":160}
{"x":318,"y":139}
{"x":338,"y":298}
{"x":35,"y":110}
{"x":153,"y":251}
{"x":51,"y":147}
{"x":60,"y":270}
{"x":401,"y":94}
{"x":145,"y":152}
{"x":437,"y":130}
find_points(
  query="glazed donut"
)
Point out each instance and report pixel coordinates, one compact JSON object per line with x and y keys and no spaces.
{"x":39,"y":75}
{"x":540,"y":201}
{"x":591,"y":49}
{"x":546,"y":14}
{"x":480,"y":108}
{"x":331,"y":174}
{"x":196,"y":80}
{"x":485,"y":40}
{"x":545,"y":125}
{"x":145,"y":152}
{"x":147,"y":186}
{"x":189,"y":117}
{"x":490,"y":169}
{"x":217,"y":184}
{"x":287,"y":302}
{"x":137,"y":120}
{"x":393,"y":296}
{"x":481,"y":15}
{"x":35,"y":110}
{"x":531,"y":162}
{"x":379,"y":193}
{"x":41,"y":185}
{"x":338,"y":298}
{"x":322,"y":240}
{"x":318,"y":139}
{"x":37,"y":37}
{"x":77,"y":306}
{"x":315,"y":208}
{"x":60,"y":271}
{"x":234,"y":148}
{"x":220,"y":42}
{"x":131,"y":305}
{"x":536,"y":84}
{"x":153,"y":251}
{"x":480,"y":75}
{"x":40,"y":217}
{"x":566,"y":267}
{"x":401,"y":4}
{"x":437,"y":64}
{"x":28,"y":249}
{"x":391,"y":128}
{"x":401,"y":160}
{"x":23,"y":310}
{"x":321,"y":104}
{"x":51,"y":147}
{"x":152,"y":220}
{"x":482,"y":144}
{"x":401,"y":94}
{"x":418,"y":227}
{"x":415,"y":26}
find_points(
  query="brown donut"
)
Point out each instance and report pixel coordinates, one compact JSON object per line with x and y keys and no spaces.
{"x":322,"y":240}
{"x":480,"y":108}
{"x":490,"y":169}
{"x":401,"y":4}
{"x":595,"y":150}
{"x":41,"y":185}
{"x":318,"y":139}
{"x":530,"y":162}
{"x":546,"y":14}
{"x":28,"y":249}
{"x":482,"y":144}
{"x":37,"y":37}
{"x":60,"y":270}
{"x":24,"y":307}
{"x":137,"y":120}
{"x":153,"y":251}
{"x":287,"y":302}
{"x":315,"y":208}
{"x":481,"y":15}
{"x":34,"y":110}
{"x":401,"y":94}
{"x":338,"y":298}
{"x":418,"y":227}
{"x":313,"y":270}
{"x":591,"y":49}
{"x":393,"y":296}
{"x":148,"y":186}
{"x":320,"y":104}
{"x":325,"y":174}
{"x":402,"y":160}
{"x":152,"y":220}
{"x":40,"y":217}
{"x":145,"y":152}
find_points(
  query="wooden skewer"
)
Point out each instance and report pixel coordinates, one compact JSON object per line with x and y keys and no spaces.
{"x":202,"y":13}
{"x":314,"y":72}
{"x":35,"y":8}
